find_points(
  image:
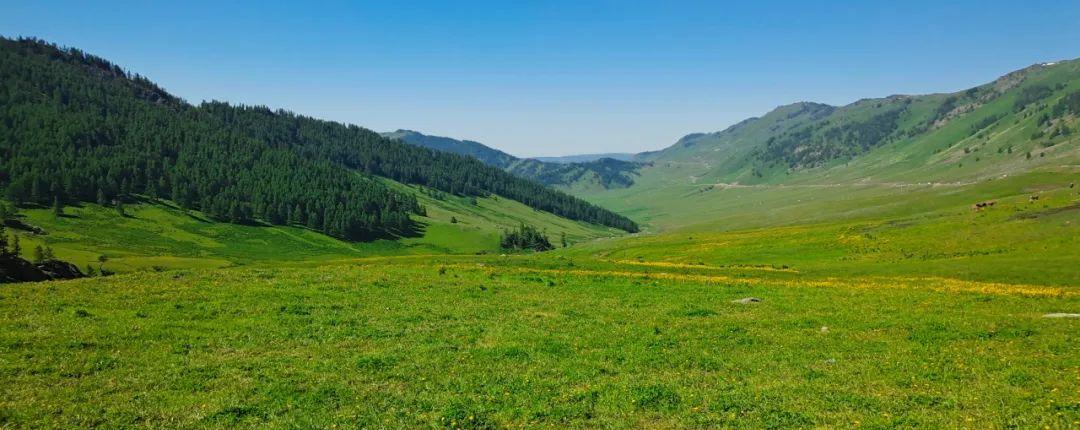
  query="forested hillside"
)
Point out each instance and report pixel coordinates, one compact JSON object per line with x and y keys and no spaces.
{"x":607,"y":173}
{"x":477,"y":150}
{"x":74,"y":127}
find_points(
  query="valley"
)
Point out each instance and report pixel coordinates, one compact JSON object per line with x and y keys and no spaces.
{"x":899,"y":262}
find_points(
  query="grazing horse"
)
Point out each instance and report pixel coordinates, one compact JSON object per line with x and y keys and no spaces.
{"x":983,"y":205}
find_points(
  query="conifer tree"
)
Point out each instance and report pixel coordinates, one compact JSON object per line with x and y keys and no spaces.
{"x":39,"y":254}
{"x":3,"y":240}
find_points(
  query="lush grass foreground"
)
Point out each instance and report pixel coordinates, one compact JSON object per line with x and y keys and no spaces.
{"x":471,"y":342}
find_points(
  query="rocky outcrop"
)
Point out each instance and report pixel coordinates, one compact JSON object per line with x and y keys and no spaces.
{"x":15,"y":269}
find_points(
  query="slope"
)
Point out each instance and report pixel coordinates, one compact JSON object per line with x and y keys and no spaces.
{"x":155,"y":234}
{"x":75,"y":128}
{"x":477,"y":150}
{"x":872,"y":157}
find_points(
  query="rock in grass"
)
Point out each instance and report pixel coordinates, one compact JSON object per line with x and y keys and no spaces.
{"x":746,"y":300}
{"x":1061,"y":315}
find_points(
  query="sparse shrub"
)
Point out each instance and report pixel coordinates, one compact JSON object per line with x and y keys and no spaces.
{"x":1029,"y":95}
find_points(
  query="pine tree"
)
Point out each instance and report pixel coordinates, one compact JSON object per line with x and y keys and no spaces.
{"x":39,"y":254}
{"x":58,"y":206}
{"x":3,"y":240}
{"x":120,"y":208}
{"x":16,"y":245}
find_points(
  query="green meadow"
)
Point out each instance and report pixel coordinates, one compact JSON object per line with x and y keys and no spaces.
{"x":882,"y":306}
{"x":157,"y":235}
{"x":534,"y":342}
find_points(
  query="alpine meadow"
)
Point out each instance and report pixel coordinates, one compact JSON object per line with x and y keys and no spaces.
{"x":894,"y":261}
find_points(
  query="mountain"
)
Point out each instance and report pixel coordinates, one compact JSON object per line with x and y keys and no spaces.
{"x":1013,"y":135}
{"x":584,"y":158}
{"x":1030,"y":110}
{"x":469,"y":148}
{"x":76,"y":128}
{"x":604,"y":173}
{"x":590,"y":172}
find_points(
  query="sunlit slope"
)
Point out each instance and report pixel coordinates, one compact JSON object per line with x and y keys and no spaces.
{"x":159,"y":235}
{"x":874,"y":230}
{"x":812,"y":162}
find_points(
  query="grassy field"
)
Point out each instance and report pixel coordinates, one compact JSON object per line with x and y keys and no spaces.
{"x":1017,"y":240}
{"x":160,"y":236}
{"x":528,"y":342}
{"x":884,"y":305}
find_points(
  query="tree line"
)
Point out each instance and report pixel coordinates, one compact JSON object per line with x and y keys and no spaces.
{"x":367,"y":151}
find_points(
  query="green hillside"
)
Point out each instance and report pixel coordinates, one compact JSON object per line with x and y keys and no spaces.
{"x":959,"y":135}
{"x":159,"y":235}
{"x":809,"y":162}
{"x":76,"y":128}
{"x":469,"y":148}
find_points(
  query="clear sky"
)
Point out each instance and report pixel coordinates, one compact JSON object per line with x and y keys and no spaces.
{"x":555,"y":77}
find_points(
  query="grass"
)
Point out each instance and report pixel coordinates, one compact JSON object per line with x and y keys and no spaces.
{"x":535,"y":342}
{"x":156,"y":235}
{"x":1015,"y":241}
{"x":882,"y":307}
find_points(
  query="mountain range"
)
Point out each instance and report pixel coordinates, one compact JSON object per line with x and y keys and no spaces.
{"x":1023,"y":121}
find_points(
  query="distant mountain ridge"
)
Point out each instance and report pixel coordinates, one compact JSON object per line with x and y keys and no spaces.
{"x":1026,"y":111}
{"x":585,"y":158}
{"x":595,"y":170}
{"x":477,"y":150}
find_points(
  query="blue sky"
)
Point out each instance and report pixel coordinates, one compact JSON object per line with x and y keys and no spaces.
{"x":558,"y":77}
